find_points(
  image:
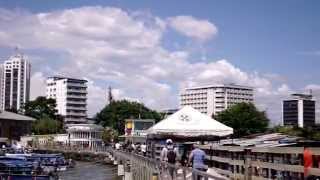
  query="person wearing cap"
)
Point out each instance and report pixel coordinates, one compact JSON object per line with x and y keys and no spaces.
{"x":169,"y":155}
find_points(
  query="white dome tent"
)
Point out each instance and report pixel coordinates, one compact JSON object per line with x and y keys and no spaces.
{"x":188,"y":123}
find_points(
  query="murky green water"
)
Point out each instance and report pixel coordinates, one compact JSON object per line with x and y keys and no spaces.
{"x":89,"y":171}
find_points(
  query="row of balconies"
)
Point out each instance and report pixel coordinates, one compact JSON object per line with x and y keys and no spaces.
{"x":76,"y":85}
{"x":194,"y":99}
{"x":194,"y":94}
{"x":77,"y":96}
{"x":73,"y":113}
{"x":194,"y":102}
{"x":83,"y":108}
{"x":84,"y":91}
{"x":240,"y":100}
{"x":76,"y":102}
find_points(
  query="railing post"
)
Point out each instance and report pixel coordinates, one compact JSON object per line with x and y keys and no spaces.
{"x":127,"y":173}
{"x":121,"y":169}
{"x":155,"y":176}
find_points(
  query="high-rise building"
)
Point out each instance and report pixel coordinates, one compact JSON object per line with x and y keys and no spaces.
{"x":213,"y":99}
{"x":1,"y":87}
{"x":299,"y":111}
{"x":15,"y":82}
{"x":71,"y":97}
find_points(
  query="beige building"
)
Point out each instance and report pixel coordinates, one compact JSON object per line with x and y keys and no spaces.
{"x":216,"y":98}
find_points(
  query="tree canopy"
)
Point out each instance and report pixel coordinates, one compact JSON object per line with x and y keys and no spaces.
{"x":41,"y":106}
{"x":47,"y":119}
{"x":114,"y":114}
{"x":244,"y":118}
{"x":46,"y":125}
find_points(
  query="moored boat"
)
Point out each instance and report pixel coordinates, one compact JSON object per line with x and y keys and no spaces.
{"x":14,"y":168}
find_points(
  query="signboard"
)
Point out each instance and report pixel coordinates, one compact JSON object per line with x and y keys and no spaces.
{"x":128,"y":128}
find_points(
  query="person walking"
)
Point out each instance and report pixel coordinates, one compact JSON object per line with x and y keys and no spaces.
{"x":197,"y":157}
{"x":169,"y":155}
{"x":117,"y":146}
{"x":143,"y":148}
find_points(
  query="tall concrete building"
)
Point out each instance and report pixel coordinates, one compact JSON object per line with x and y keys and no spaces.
{"x":299,"y":111}
{"x":1,"y":86}
{"x":15,"y":82}
{"x":71,"y":97}
{"x":213,"y":99}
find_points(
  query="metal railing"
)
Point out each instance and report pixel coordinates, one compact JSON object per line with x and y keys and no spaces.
{"x":141,"y":167}
{"x":144,"y":168}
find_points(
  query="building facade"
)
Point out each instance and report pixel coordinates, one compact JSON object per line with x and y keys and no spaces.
{"x":15,"y":82}
{"x":87,"y":136}
{"x":13,"y":126}
{"x":71,"y":97}
{"x":299,"y":111}
{"x":211,"y":100}
{"x":1,"y":86}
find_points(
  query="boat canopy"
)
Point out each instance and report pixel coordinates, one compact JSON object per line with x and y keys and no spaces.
{"x":189,"y":123}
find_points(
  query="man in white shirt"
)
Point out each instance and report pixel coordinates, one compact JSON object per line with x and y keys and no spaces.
{"x":144,"y":149}
{"x":117,"y":146}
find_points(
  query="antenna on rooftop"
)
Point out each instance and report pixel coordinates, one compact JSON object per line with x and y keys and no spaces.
{"x":16,"y":50}
{"x":310,"y":92}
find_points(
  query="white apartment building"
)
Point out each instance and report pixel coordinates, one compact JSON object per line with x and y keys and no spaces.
{"x":71,"y":97}
{"x":1,"y":86}
{"x":216,"y":98}
{"x":15,"y":82}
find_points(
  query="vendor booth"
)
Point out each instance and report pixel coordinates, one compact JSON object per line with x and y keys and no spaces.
{"x":186,"y":125}
{"x":189,"y":124}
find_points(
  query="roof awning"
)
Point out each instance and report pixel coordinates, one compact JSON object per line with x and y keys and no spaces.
{"x":189,"y":123}
{"x":14,"y":116}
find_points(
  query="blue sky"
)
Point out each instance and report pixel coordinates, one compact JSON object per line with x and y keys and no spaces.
{"x":274,"y":45}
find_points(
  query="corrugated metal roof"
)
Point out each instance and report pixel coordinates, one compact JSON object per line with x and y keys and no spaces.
{"x":14,"y":116}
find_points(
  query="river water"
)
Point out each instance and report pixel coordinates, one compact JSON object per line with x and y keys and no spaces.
{"x":89,"y":171}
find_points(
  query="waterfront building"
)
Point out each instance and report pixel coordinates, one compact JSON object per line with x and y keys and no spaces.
{"x":15,"y":82}
{"x":213,"y":99}
{"x":44,"y":140}
{"x":13,"y":126}
{"x":270,"y":156}
{"x":299,"y":111}
{"x":71,"y":97}
{"x":84,"y":135}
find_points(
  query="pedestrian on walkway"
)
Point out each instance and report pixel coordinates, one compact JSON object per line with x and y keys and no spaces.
{"x":143,"y":148}
{"x":197,"y":157}
{"x":169,"y":155}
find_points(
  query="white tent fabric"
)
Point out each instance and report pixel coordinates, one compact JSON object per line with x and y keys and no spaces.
{"x":189,"y":122}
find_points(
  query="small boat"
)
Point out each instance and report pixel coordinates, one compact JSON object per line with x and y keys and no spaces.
{"x":17,"y":168}
{"x":50,"y":162}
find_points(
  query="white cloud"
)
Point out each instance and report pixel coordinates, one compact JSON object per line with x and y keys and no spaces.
{"x":112,"y":46}
{"x":38,"y":85}
{"x":312,"y":87}
{"x":311,"y":53}
{"x":195,"y":28}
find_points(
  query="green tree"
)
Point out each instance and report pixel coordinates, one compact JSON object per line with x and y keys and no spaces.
{"x":46,"y":125}
{"x":47,"y":119}
{"x":114,"y":114}
{"x":244,"y":118}
{"x":41,"y":106}
{"x":109,"y":135}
